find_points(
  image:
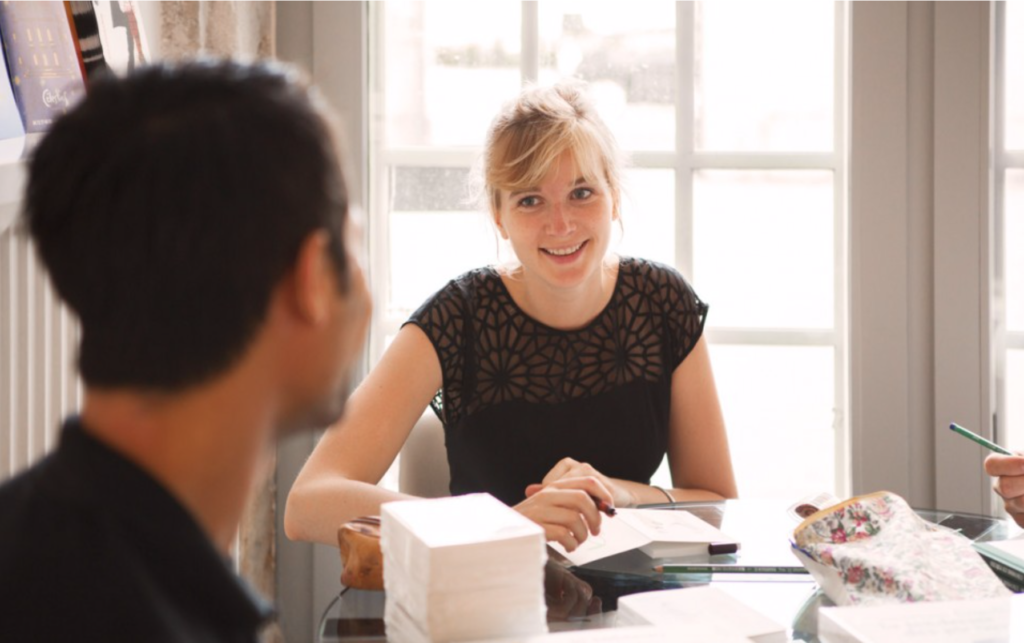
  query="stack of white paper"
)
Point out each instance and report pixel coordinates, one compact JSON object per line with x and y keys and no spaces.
{"x":705,"y":606}
{"x":986,"y":620}
{"x":461,"y":568}
{"x":638,"y":634}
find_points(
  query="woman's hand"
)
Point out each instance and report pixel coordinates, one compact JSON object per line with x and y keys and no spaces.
{"x":1009,"y":471}
{"x":566,"y":509}
{"x":567,"y":468}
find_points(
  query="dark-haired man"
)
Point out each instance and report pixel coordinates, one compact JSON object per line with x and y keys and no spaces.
{"x":193,"y":217}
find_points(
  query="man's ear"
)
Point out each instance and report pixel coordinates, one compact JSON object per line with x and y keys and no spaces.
{"x":313,"y":279}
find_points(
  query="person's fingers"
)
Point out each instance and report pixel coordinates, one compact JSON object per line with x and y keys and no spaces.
{"x":594,"y":490}
{"x":582,"y":502}
{"x":1015,"y":508}
{"x":590,"y":484}
{"x":563,"y":512}
{"x":577,"y":525}
{"x":562,"y":535}
{"x":587,"y":495}
{"x":1009,"y":487}
{"x":1004,"y":465}
{"x":569,"y":518}
{"x":559,"y":470}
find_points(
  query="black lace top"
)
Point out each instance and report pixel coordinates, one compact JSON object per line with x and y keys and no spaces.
{"x":518,"y":396}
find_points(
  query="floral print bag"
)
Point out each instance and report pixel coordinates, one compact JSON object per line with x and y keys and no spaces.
{"x":875,"y":549}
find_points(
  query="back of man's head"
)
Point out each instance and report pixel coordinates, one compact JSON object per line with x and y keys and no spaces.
{"x":168,"y":205}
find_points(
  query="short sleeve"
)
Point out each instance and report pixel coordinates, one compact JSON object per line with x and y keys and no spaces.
{"x":442,"y":317}
{"x":684,"y":310}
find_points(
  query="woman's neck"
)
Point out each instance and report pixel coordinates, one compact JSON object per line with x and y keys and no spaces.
{"x":563,"y":308}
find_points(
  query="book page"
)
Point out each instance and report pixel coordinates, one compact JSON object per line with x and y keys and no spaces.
{"x":635,"y":528}
{"x":616,"y":537}
{"x":658,"y":525}
{"x":1013,"y":546}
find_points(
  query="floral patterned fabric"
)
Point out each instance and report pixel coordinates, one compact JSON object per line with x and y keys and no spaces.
{"x":875,"y":549}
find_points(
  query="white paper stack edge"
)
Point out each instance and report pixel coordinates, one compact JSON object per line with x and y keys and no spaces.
{"x":461,"y":568}
{"x":710,"y":607}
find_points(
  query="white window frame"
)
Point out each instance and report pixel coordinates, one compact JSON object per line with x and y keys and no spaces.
{"x":1005,"y":340}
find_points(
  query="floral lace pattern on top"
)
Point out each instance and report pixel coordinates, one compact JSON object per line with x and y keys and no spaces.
{"x":491,"y":352}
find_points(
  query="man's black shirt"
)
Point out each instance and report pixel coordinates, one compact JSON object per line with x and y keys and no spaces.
{"x":92,"y":548}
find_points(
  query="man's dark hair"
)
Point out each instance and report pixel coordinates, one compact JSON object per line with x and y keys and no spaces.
{"x":167,"y":206}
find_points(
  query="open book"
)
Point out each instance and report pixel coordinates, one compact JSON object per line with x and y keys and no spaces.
{"x":1006,"y":558}
{"x":656,"y":532}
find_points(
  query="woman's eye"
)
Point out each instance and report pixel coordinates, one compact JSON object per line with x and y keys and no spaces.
{"x":581,"y":193}
{"x":528,"y":201}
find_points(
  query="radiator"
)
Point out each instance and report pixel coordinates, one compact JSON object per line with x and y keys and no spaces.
{"x":38,"y":343}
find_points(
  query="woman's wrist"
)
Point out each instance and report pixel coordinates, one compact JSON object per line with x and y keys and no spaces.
{"x":663,"y":492}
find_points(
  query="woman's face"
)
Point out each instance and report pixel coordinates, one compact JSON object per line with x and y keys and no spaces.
{"x":560,"y":229}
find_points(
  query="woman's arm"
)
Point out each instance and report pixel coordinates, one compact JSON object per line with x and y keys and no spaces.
{"x":698,"y":447}
{"x":339,"y":481}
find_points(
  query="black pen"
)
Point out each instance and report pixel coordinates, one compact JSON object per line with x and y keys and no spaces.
{"x":723,"y":548}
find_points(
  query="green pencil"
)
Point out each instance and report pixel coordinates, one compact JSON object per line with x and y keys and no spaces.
{"x":970,"y":435}
{"x":729,"y":569}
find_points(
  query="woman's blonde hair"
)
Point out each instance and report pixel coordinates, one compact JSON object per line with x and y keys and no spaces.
{"x":531,"y":133}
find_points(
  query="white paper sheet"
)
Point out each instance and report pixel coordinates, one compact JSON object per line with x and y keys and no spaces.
{"x":635,"y":528}
{"x":990,"y":620}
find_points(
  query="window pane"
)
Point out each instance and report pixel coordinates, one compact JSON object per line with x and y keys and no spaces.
{"x":1014,"y":399}
{"x":763,"y":247}
{"x":778,"y":404}
{"x":1014,"y":81}
{"x":627,"y":55}
{"x":443,"y":80}
{"x":648,"y":216}
{"x":436,"y":233}
{"x":1013,"y":238}
{"x":764,"y":76}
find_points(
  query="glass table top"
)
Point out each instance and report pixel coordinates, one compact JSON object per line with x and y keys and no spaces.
{"x":581,"y":597}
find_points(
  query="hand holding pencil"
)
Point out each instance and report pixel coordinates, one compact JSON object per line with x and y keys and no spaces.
{"x":569,"y":509}
{"x":1007,"y":468}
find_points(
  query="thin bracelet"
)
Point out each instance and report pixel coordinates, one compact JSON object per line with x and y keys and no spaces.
{"x":667,"y":495}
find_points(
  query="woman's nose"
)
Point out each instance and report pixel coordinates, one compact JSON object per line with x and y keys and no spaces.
{"x":560,"y":222}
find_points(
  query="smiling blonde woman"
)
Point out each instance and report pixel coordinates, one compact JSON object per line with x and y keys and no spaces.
{"x":561,"y":379}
